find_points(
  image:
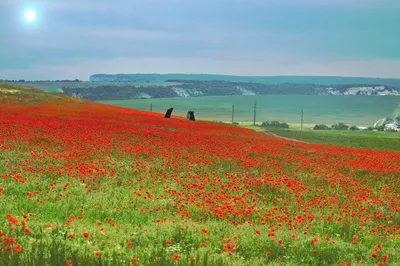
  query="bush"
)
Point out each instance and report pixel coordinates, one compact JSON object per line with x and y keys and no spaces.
{"x":354,"y":128}
{"x":381,"y":128}
{"x":340,"y":126}
{"x":275,"y":124}
{"x":321,"y":127}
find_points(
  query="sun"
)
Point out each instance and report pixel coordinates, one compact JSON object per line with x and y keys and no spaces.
{"x":30,"y":15}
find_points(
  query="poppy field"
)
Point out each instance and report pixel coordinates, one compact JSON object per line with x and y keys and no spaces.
{"x":84,"y":183}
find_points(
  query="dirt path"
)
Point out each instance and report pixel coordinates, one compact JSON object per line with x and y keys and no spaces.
{"x":277,"y":136}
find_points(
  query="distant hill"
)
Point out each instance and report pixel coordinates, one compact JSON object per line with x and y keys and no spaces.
{"x":98,"y":91}
{"x":322,"y":80}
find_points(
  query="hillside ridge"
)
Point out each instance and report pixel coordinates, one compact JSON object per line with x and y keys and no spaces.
{"x":99,"y":91}
{"x":323,"y":80}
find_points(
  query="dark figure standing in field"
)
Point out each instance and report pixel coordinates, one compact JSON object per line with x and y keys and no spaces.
{"x":168,"y":113}
{"x":190,"y":115}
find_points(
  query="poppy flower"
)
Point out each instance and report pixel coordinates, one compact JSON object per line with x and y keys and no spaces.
{"x":175,"y":256}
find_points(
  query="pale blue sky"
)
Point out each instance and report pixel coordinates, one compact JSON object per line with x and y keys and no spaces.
{"x":77,"y":38}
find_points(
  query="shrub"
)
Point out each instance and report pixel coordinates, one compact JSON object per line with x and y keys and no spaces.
{"x":321,"y":127}
{"x":275,"y":124}
{"x":340,"y":126}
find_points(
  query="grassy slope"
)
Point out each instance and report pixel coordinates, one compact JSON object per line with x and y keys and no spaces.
{"x":360,"y":139}
{"x":25,"y":93}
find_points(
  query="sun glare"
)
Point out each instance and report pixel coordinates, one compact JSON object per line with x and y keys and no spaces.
{"x":30,"y":15}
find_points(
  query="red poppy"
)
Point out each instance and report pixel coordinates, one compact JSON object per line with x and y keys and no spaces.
{"x":175,"y":256}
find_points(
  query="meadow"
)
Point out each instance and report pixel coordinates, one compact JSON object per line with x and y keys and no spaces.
{"x":355,"y":110}
{"x":84,"y":183}
{"x":361,"y":139}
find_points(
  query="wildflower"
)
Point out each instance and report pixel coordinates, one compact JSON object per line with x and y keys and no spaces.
{"x":8,"y":240}
{"x":168,"y":241}
{"x":258,"y":232}
{"x":133,"y":260}
{"x":27,"y":230}
{"x":280,"y":241}
{"x":85,"y":234}
{"x":314,"y":240}
{"x":18,"y":248}
{"x":175,"y":256}
{"x":97,"y":254}
{"x":204,"y":230}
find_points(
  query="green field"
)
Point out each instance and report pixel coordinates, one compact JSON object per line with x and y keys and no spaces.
{"x":361,"y":139}
{"x":357,"y":110}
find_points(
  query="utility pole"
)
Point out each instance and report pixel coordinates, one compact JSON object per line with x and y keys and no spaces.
{"x":255,"y":108}
{"x":302,"y":115}
{"x":151,"y":107}
{"x":233,"y":112}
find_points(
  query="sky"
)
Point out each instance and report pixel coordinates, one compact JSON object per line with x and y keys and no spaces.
{"x":77,"y":38}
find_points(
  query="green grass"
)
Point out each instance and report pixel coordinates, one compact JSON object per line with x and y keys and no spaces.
{"x":361,"y":139}
{"x":355,"y":110}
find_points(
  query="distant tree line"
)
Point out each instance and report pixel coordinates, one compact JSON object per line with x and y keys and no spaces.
{"x":342,"y":126}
